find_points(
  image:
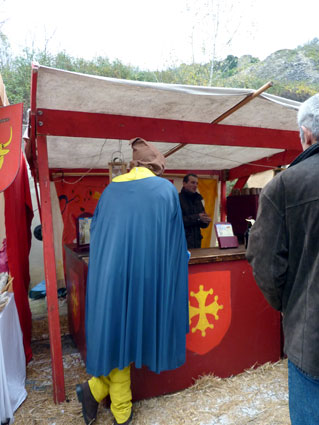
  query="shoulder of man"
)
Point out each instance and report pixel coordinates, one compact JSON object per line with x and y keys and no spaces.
{"x":272,"y":186}
{"x":286,"y":178}
{"x":274,"y":193}
{"x":198,"y":196}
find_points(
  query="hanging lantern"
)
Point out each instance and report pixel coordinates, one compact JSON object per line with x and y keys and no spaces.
{"x":117,"y":166}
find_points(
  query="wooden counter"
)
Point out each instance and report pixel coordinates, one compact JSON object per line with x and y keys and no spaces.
{"x":198,"y":256}
{"x":214,"y":255}
{"x":232,"y":327}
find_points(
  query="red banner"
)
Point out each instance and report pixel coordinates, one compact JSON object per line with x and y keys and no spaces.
{"x":10,"y":143}
{"x":209,"y":310}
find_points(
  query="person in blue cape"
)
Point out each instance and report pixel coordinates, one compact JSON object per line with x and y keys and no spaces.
{"x":137,"y":286}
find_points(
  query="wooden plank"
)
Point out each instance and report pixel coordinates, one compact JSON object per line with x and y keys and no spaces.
{"x":106,"y":126}
{"x":216,"y":255}
{"x":30,"y":149}
{"x":50,"y":273}
{"x":223,"y":200}
{"x":241,"y":182}
{"x":270,"y":163}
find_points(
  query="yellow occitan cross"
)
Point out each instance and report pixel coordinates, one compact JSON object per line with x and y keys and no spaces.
{"x":4,"y":151}
{"x":202,"y":310}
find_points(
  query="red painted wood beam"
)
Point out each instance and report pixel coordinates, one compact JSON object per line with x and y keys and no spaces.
{"x":37,"y":196}
{"x":195,"y":171}
{"x":282,"y":158}
{"x":241,"y":182}
{"x":30,"y":148}
{"x":223,"y":201}
{"x":94,"y":125}
{"x":50,"y":273}
{"x":33,"y":101}
{"x":100,"y":170}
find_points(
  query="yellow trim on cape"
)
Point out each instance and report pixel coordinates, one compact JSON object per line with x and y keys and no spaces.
{"x":137,"y":173}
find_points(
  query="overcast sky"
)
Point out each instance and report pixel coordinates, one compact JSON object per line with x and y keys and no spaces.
{"x":155,"y":34}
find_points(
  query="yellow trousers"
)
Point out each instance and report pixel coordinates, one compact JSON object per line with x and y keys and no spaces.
{"x":118,"y":385}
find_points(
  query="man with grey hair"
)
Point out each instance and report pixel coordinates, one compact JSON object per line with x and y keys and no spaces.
{"x":283,"y":251}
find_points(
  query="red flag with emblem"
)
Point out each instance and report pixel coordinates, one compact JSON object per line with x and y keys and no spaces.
{"x":10,"y":143}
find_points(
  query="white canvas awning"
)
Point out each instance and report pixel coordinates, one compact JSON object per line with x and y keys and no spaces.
{"x":68,"y":91}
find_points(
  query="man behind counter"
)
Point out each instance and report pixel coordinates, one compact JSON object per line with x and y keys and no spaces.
{"x":194,"y":216}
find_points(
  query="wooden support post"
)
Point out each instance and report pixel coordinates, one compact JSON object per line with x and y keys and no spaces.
{"x":223,"y":200}
{"x":37,"y":196}
{"x":241,"y":182}
{"x":50,"y":272}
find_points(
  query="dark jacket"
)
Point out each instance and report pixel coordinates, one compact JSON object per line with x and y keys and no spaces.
{"x":191,"y":204}
{"x":283,"y":250}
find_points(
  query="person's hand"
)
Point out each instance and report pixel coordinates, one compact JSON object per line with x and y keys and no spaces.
{"x":204,"y":218}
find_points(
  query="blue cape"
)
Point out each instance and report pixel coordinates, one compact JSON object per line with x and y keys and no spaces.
{"x":137,"y":286}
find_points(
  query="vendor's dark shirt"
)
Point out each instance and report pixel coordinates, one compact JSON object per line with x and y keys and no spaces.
{"x":191,"y":204}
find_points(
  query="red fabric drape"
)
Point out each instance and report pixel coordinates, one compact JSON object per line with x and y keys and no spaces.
{"x":18,"y":218}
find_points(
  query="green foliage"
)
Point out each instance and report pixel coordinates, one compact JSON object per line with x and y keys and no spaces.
{"x":16,"y":74}
{"x":229,"y":65}
{"x":229,"y":186}
{"x":194,"y":74}
{"x":294,"y":90}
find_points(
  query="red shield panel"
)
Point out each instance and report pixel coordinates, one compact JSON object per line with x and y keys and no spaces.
{"x":209,"y":310}
{"x":10,"y":143}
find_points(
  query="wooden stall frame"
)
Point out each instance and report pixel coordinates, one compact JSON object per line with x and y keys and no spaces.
{"x":46,"y":122}
{"x":50,"y":273}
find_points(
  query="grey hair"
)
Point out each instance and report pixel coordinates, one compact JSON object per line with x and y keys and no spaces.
{"x":308,"y":116}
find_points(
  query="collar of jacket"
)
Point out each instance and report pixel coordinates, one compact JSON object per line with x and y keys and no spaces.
{"x":137,"y":173}
{"x":312,"y":150}
{"x":191,"y":194}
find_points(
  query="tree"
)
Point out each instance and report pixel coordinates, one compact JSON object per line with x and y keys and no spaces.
{"x":4,"y":42}
{"x":215,"y":24}
{"x":4,"y":50}
{"x":229,"y":66}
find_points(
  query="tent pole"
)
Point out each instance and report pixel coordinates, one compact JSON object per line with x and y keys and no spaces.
{"x":50,"y":272}
{"x":226,"y":114}
{"x":243,"y":102}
